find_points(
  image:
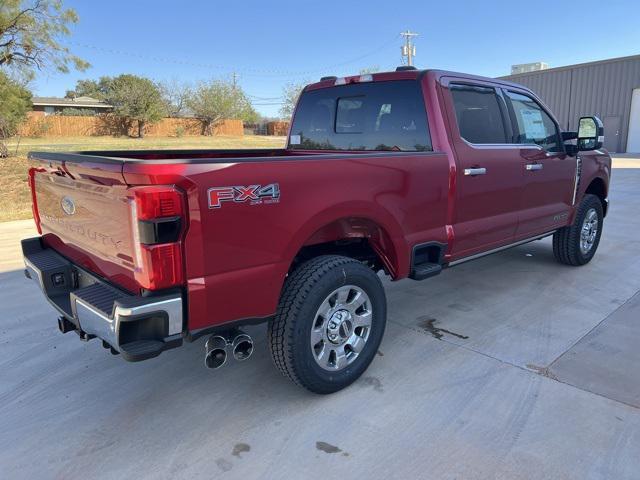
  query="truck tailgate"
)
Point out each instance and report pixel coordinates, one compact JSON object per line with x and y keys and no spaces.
{"x":85,"y":214}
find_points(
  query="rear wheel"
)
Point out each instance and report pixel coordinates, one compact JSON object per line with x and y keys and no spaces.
{"x":577,"y":243}
{"x":329,"y":323}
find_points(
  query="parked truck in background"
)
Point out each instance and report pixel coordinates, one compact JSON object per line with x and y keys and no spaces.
{"x":407,"y":173}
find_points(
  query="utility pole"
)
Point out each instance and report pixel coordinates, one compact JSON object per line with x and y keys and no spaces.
{"x":408,"y":49}
{"x":234,"y":80}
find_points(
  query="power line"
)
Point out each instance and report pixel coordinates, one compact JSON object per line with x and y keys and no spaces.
{"x":249,"y":71}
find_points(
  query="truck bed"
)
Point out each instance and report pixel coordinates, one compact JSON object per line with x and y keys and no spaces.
{"x":236,"y":241}
{"x":133,"y":156}
{"x":201,"y":155}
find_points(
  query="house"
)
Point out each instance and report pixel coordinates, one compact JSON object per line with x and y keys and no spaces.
{"x":55,"y":105}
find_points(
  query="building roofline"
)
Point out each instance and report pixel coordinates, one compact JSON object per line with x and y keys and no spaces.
{"x":575,"y":65}
{"x":64,"y":102}
{"x":71,"y":105}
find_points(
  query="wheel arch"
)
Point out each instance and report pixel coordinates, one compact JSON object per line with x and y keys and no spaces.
{"x":361,"y":234}
{"x":598,"y":187}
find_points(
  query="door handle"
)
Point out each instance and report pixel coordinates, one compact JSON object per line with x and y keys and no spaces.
{"x":534,"y":166}
{"x":475,"y":171}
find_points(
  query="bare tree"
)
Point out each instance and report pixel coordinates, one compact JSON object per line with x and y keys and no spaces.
{"x":175,"y":95}
{"x":290,"y":94}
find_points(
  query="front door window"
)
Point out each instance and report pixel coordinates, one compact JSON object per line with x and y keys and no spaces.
{"x":534,"y":125}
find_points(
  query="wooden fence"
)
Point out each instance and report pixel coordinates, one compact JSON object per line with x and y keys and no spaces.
{"x":68,"y":126}
{"x":277,"y":128}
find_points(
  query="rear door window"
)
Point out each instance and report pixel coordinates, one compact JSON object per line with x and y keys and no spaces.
{"x":480,"y":119}
{"x":533,"y":125}
{"x":362,"y":116}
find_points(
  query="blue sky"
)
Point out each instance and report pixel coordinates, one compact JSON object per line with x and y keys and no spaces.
{"x":269,"y":43}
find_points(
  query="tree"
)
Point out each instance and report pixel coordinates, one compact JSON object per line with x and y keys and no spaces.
{"x":30,"y":32}
{"x":290,"y":94}
{"x":14,"y":105}
{"x":175,"y":95}
{"x":213,"y":101}
{"x":134,"y":99}
{"x":137,"y":99}
{"x":98,"y":89}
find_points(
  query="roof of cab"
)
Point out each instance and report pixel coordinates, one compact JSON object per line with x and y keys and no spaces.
{"x":406,"y":75}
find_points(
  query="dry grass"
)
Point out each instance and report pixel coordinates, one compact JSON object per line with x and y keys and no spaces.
{"x":15,"y":199}
{"x":66,"y":144}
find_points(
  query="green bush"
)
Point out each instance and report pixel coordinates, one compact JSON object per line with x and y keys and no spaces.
{"x":78,"y":112}
{"x":15,"y":102}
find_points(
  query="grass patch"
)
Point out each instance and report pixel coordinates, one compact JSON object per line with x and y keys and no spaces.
{"x":69,"y":144}
{"x":15,"y":198}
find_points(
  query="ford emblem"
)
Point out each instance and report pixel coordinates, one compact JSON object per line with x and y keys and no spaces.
{"x":68,"y":205}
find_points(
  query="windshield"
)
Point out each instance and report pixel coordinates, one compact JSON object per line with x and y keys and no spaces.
{"x":362,"y":116}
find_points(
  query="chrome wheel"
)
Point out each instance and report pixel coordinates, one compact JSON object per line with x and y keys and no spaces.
{"x":589,"y":231}
{"x":341,"y":328}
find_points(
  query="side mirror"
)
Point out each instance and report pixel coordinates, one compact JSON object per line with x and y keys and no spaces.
{"x":590,"y":134}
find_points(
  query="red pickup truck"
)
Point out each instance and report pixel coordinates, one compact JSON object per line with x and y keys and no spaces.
{"x":407,"y":173}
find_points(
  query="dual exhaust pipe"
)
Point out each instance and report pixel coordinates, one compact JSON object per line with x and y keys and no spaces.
{"x":218,"y":347}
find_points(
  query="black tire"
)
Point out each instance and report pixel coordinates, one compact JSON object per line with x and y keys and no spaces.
{"x":566,"y":241}
{"x":304,"y":292}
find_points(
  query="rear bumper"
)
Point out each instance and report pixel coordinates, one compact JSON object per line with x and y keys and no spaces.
{"x":137,"y":327}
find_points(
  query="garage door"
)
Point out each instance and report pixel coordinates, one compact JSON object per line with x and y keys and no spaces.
{"x":633,"y":142}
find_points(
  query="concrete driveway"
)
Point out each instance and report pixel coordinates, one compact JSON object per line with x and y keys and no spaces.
{"x":508,"y":367}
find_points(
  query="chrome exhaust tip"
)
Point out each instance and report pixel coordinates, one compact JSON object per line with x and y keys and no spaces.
{"x":215,"y":352}
{"x":242,"y":347}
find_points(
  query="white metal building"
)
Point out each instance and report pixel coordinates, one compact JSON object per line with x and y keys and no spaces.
{"x":609,"y":89}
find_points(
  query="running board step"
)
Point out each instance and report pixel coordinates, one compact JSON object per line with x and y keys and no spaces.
{"x":425,"y":270}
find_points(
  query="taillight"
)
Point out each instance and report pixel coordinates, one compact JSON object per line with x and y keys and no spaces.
{"x":158,"y":201}
{"x":160,"y":267}
{"x":34,"y":204}
{"x":158,"y":219}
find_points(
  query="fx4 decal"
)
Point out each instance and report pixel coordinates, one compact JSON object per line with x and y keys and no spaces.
{"x":254,"y":194}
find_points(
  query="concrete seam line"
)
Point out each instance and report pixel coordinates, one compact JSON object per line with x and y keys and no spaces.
{"x":593,"y":328}
{"x":519,"y":367}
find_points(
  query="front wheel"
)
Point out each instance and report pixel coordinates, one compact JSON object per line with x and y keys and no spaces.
{"x":329,"y":323}
{"x":577,"y":243}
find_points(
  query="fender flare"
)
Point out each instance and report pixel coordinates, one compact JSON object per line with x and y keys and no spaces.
{"x":383,"y":219}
